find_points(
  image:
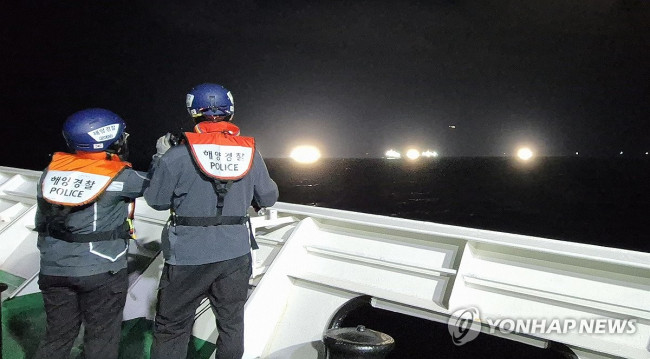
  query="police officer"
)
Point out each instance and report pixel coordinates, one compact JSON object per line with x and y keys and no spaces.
{"x":208,"y":185}
{"x":83,"y":206}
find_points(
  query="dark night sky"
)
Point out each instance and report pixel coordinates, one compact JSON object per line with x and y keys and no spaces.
{"x":352,"y":77}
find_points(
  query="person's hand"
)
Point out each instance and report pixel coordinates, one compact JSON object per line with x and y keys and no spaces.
{"x":163,"y":144}
{"x":256,"y":207}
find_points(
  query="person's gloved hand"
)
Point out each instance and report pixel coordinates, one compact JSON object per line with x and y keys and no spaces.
{"x":255,"y":206}
{"x":163,"y":144}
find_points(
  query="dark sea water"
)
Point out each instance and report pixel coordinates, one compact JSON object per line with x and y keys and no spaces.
{"x":596,"y":201}
{"x":604,"y":202}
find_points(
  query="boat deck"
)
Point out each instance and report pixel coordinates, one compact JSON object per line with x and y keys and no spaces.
{"x":313,"y":262}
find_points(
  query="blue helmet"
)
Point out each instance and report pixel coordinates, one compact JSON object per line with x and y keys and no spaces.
{"x":211,"y":101}
{"x":93,"y":130}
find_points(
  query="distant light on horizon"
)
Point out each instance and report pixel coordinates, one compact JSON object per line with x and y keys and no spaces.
{"x":413,"y":154}
{"x":524,"y":153}
{"x":393,"y":154}
{"x":305,"y":154}
{"x":429,"y":153}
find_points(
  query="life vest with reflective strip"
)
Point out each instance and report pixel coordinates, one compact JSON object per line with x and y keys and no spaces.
{"x":74,"y":180}
{"x":78,"y":179}
{"x":224,"y":156}
{"x":219,"y":151}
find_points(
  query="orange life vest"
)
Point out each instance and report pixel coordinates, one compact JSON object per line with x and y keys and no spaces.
{"x":78,"y":179}
{"x":220,"y":152}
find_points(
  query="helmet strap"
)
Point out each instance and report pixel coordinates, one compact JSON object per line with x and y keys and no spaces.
{"x":120,"y":147}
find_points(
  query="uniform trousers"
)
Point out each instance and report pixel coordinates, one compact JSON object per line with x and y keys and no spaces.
{"x":96,"y":301}
{"x":181,"y":290}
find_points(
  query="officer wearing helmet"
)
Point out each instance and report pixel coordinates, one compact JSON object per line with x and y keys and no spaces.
{"x":208,"y":185}
{"x":83,"y":204}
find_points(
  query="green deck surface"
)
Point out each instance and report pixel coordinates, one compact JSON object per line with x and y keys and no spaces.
{"x":12,"y":282}
{"x":23,"y":325}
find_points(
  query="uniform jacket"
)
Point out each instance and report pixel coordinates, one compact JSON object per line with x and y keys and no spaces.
{"x":106,"y":213}
{"x":178,"y":184}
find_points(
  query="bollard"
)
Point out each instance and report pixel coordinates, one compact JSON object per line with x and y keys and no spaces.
{"x":357,"y":343}
{"x":3,"y":287}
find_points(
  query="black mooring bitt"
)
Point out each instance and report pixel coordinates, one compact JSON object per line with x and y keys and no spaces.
{"x":357,"y":343}
{"x":3,"y":287}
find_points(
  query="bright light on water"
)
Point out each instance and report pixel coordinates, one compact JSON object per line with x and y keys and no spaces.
{"x":305,"y":154}
{"x":524,"y":153}
{"x":413,"y":154}
{"x":393,"y":154}
{"x":429,"y":153}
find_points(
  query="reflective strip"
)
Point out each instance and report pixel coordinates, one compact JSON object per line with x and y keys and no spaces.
{"x":141,"y":176}
{"x":95,"y":217}
{"x":107,"y":256}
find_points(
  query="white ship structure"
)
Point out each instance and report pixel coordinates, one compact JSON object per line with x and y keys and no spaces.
{"x":312,"y":262}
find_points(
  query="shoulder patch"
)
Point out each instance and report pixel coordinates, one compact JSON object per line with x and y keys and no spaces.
{"x":115,"y":186}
